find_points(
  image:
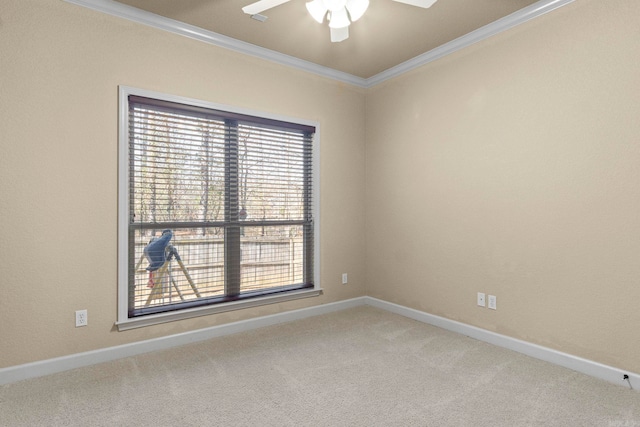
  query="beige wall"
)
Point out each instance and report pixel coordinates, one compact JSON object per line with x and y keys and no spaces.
{"x":513,"y":168}
{"x":510,"y":168}
{"x":60,"y":67}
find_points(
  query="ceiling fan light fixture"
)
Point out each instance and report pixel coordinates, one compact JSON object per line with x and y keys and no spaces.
{"x":340,"y":12}
{"x":339,"y":19}
{"x":357,"y":8}
{"x":334,"y":5}
{"x":317,"y":10}
{"x":425,"y":4}
{"x":339,"y":34}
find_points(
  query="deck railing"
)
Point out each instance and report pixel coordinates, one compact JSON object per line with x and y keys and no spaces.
{"x":266,"y":262}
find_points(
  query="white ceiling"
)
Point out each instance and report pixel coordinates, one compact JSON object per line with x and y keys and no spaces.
{"x":388,"y":34}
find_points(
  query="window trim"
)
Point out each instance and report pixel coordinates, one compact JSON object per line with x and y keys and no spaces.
{"x":123,"y":321}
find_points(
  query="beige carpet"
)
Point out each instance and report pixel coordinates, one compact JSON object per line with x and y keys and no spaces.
{"x":357,"y":367}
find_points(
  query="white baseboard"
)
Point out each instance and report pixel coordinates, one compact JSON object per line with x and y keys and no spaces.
{"x":65,"y":363}
{"x":60,"y":364}
{"x":585,"y":366}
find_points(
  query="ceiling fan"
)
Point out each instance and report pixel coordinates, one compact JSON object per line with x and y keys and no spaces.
{"x":340,"y":13}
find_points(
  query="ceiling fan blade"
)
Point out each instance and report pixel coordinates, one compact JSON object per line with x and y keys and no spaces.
{"x":317,"y":10}
{"x":261,"y":6}
{"x":419,"y":3}
{"x":357,"y":8}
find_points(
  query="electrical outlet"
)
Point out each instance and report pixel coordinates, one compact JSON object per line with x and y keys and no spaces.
{"x":81,"y":318}
{"x":481,"y":299}
{"x":345,"y":279}
{"x":492,"y":302}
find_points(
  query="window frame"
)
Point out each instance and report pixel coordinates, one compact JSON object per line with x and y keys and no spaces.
{"x":124,"y":322}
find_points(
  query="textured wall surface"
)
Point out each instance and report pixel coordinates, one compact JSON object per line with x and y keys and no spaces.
{"x":510,"y":167}
{"x":60,"y":67}
{"x":513,"y":168}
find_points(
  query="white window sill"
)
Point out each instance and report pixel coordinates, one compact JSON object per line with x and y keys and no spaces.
{"x":155,"y":319}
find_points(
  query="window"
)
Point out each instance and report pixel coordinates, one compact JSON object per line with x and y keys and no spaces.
{"x":216,"y":209}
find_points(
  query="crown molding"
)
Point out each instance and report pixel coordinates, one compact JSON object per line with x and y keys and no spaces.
{"x":519,"y":17}
{"x":160,"y":22}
